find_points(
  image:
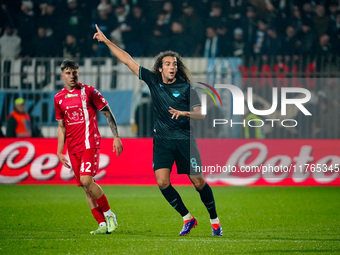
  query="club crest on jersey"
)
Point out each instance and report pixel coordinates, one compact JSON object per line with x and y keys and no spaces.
{"x":71,"y":95}
{"x":83,"y":97}
{"x":75,"y":115}
{"x":175,"y":93}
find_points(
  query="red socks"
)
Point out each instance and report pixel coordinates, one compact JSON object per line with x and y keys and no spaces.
{"x":98,"y":215}
{"x":103,"y":203}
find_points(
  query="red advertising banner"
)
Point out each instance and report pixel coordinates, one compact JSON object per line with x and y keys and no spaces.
{"x":226,"y":162}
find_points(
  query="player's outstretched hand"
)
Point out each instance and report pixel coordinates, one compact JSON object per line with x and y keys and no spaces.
{"x":176,"y":113}
{"x":117,"y":146}
{"x":63,"y":160}
{"x":99,"y":35}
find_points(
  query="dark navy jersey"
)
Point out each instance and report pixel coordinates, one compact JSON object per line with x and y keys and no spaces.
{"x":180,"y":95}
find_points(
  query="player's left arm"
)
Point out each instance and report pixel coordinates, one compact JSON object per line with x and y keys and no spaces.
{"x":117,"y":143}
{"x":195,"y":107}
{"x":194,"y":114}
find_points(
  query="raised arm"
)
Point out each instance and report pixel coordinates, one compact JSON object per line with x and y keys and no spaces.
{"x":122,"y":55}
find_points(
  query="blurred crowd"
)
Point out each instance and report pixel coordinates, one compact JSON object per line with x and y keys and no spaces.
{"x":196,"y":28}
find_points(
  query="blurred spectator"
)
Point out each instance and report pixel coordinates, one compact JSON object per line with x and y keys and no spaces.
{"x":132,"y":36}
{"x":18,"y":121}
{"x":169,"y":10}
{"x":272,"y":44}
{"x":249,"y":27}
{"x":306,"y":39}
{"x":335,"y":25}
{"x":107,"y":23}
{"x":324,"y":54}
{"x":289,"y":41}
{"x":258,"y":46}
{"x":296,"y":18}
{"x":212,"y":47}
{"x":71,"y":47}
{"x":127,"y":6}
{"x":263,"y":8}
{"x":337,"y":21}
{"x":224,"y":32}
{"x":238,"y":44}
{"x":282,"y":7}
{"x":43,"y":44}
{"x":116,"y":37}
{"x":180,"y":41}
{"x":308,"y":10}
{"x":324,"y":48}
{"x":333,"y":10}
{"x":27,"y":27}
{"x":235,"y":9}
{"x":50,"y":18}
{"x":192,"y":22}
{"x":322,"y":22}
{"x":10,"y":44}
{"x":121,"y":14}
{"x":75,"y":21}
{"x":216,"y":16}
{"x":194,"y":15}
{"x":158,"y":40}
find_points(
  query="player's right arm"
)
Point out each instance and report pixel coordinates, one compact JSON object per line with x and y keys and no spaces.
{"x":122,"y":55}
{"x":61,"y":143}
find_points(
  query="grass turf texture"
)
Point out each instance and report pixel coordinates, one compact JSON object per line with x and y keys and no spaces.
{"x":255,"y":220}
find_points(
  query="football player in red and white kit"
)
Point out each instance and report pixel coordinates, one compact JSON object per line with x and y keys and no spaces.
{"x":76,"y":108}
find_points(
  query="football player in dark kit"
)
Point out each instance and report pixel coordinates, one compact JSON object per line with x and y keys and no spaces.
{"x":174,"y":102}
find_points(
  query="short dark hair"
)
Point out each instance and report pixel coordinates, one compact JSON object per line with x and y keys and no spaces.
{"x":68,"y":63}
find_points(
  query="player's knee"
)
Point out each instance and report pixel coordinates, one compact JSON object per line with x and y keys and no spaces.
{"x":198,"y":183}
{"x":86,"y":180}
{"x":163,"y":183}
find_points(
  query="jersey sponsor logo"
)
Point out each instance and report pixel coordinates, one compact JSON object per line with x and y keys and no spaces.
{"x":72,"y":106}
{"x":60,"y":101}
{"x":176,"y":93}
{"x":71,"y":95}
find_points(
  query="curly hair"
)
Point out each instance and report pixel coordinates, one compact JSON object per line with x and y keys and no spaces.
{"x":182,"y":70}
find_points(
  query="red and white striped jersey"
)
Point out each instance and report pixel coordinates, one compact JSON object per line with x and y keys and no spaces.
{"x":78,"y":109}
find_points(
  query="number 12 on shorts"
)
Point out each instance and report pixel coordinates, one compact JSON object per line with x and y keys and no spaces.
{"x":88,"y":166}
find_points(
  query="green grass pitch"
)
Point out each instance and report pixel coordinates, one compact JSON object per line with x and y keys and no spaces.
{"x":255,"y":220}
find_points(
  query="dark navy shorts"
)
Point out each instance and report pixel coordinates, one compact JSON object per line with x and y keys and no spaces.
{"x":184,"y":152}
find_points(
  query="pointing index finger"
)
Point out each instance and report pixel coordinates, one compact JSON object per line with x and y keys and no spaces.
{"x":98,"y":30}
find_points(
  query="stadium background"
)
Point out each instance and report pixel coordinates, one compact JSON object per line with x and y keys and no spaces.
{"x":252,"y":44}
